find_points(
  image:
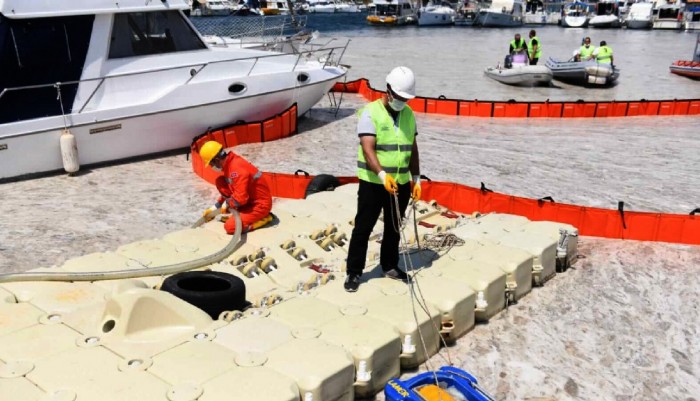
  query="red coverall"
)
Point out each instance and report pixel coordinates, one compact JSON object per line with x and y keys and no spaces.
{"x":244,"y":189}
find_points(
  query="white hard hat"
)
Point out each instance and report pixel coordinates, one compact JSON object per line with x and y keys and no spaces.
{"x":402,"y":82}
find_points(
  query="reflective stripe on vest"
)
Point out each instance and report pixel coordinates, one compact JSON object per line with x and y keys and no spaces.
{"x":539,"y":47}
{"x":393,"y":146}
{"x":517,"y":46}
{"x":586,"y":52}
{"x":604,"y":54}
{"x":255,"y":177}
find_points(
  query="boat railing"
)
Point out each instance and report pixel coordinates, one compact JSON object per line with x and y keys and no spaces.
{"x":185,"y":74}
{"x":247,"y":31}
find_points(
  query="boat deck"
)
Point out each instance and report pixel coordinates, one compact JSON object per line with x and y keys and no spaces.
{"x":303,"y":338}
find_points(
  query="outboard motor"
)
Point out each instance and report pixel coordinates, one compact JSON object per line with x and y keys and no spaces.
{"x":508,"y":62}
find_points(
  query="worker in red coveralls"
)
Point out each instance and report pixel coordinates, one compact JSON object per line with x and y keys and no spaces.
{"x":242,"y":187}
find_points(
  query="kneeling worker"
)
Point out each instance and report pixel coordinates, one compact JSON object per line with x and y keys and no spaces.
{"x":242,"y":187}
{"x":387,"y":166}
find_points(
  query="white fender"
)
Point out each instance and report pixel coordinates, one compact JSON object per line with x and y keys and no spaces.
{"x":69,"y":152}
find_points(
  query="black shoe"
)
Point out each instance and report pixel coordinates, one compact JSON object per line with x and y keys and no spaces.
{"x":397,"y":274}
{"x":352,"y":282}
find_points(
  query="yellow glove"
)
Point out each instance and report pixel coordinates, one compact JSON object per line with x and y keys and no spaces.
{"x":389,"y":182}
{"x":416,"y":188}
{"x":209,"y":213}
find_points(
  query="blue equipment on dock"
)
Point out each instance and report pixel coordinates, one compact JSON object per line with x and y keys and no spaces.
{"x":453,"y":385}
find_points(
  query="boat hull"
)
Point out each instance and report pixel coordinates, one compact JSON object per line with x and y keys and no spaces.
{"x":497,"y":19}
{"x":138,"y":134}
{"x":583,"y":73}
{"x":639,"y":24}
{"x":668,"y":24}
{"x":605,"y":21}
{"x":690,"y":69}
{"x":529,"y":75}
{"x":574,"y":22}
{"x":435,"y":17}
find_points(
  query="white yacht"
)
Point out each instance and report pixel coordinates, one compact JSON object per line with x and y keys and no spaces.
{"x":392,"y":12}
{"x":322,"y":7}
{"x":502,"y":13}
{"x":575,"y":15}
{"x":639,"y":16}
{"x":273,"y":7}
{"x":346,"y":6}
{"x":607,"y":15}
{"x":540,"y":13}
{"x":691,"y":21}
{"x":436,"y":14}
{"x":668,"y":14}
{"x":132,"y":78}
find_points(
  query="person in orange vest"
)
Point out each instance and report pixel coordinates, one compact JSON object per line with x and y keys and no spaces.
{"x":242,"y":187}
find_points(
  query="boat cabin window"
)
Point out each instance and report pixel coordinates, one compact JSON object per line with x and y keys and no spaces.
{"x":41,"y":52}
{"x":141,"y":34}
{"x":386,"y":9}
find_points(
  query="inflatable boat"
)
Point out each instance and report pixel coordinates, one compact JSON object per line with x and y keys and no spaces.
{"x":583,"y":72}
{"x":690,"y":69}
{"x":518,"y":72}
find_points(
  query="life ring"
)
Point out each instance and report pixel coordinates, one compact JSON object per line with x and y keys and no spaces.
{"x":211,"y":291}
{"x":322,"y":182}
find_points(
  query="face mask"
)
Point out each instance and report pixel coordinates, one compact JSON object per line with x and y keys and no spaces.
{"x":396,"y":105}
{"x":215,"y":168}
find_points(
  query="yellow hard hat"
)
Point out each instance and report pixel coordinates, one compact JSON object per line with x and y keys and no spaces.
{"x":209,"y":151}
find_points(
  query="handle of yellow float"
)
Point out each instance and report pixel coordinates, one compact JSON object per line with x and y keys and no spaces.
{"x":301,"y":171}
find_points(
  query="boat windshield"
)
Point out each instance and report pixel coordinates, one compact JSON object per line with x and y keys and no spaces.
{"x":387,"y":9}
{"x":146,"y":33}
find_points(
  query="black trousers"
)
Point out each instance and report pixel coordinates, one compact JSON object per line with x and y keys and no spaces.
{"x":371,"y":200}
{"x":533,"y":61}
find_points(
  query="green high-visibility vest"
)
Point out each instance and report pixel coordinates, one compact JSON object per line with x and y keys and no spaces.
{"x":539,"y":47}
{"x":517,"y":47}
{"x":586,"y":52}
{"x":604,"y":54}
{"x":394,"y":144}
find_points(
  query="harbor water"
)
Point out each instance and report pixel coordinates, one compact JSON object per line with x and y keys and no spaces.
{"x":621,"y":326}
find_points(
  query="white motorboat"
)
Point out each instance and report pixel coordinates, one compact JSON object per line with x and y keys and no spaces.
{"x":273,"y":7}
{"x":607,"y":15}
{"x":640,"y":16}
{"x":520,"y":73}
{"x":436,"y":14}
{"x":392,"y":12}
{"x":502,"y":13}
{"x":346,"y":7}
{"x":575,"y":15}
{"x":131,"y":79}
{"x":539,"y":13}
{"x":691,"y":21}
{"x":322,"y":7}
{"x":210,"y":8}
{"x":583,"y":72}
{"x":668,"y":15}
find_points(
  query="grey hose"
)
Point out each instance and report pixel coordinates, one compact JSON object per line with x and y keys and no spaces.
{"x":144,"y":272}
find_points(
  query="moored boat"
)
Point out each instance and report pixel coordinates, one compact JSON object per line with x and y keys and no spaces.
{"x":134,"y":79}
{"x":575,"y":15}
{"x":691,"y":20}
{"x":502,"y":13}
{"x":436,"y":14}
{"x":392,"y":12}
{"x":668,"y":15}
{"x":606,"y":15}
{"x":639,"y":16}
{"x":583,"y":72}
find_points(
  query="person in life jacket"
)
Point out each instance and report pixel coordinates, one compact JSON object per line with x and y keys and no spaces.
{"x":534,"y":48}
{"x":585,"y":52}
{"x":603,"y":54}
{"x":387,"y":168}
{"x":241,"y":186}
{"x":517,"y":45}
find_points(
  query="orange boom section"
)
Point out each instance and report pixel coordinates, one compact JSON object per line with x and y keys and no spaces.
{"x":515,"y":109}
{"x":597,"y":222}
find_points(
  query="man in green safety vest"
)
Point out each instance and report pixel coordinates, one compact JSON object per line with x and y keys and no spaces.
{"x":603,"y":54}
{"x":534,"y":48}
{"x":517,"y":45}
{"x":387,"y":166}
{"x":585,"y":53}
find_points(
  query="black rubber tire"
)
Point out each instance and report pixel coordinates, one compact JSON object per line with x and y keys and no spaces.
{"x":211,"y":291}
{"x":322,"y":182}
